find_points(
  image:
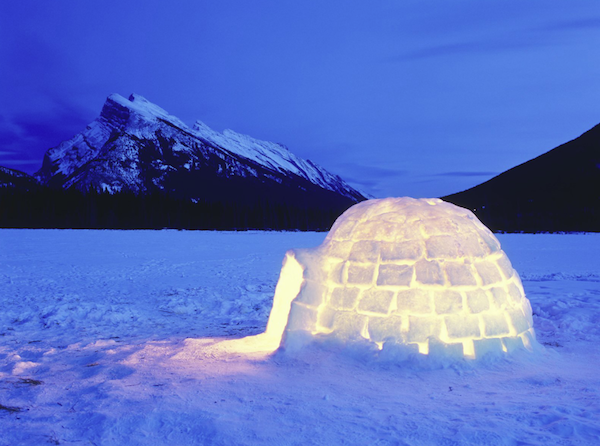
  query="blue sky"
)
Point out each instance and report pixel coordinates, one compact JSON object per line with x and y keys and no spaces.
{"x":404,"y":97}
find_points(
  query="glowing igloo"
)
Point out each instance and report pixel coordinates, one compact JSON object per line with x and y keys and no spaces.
{"x":423,"y":274}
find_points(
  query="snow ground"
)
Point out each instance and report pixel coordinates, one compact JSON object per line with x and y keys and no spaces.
{"x":93,"y":350}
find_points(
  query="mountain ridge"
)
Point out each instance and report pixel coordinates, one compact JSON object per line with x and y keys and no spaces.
{"x":127,"y":130}
{"x":558,"y":190}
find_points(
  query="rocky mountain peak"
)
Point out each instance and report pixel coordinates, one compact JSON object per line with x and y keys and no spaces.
{"x":135,"y":110}
{"x":135,"y":145}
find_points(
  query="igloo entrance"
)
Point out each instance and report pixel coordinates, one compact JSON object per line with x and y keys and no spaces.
{"x":422,"y":274}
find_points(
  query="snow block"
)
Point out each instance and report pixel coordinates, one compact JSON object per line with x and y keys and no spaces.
{"x":527,"y":311}
{"x":512,"y":344}
{"x":344,"y":298}
{"x":414,"y":301}
{"x":447,"y":302}
{"x":436,"y":225}
{"x":364,"y":251}
{"x":340,"y":250}
{"x":499,"y":297}
{"x":325,"y":318}
{"x":408,"y":250}
{"x":360,"y":273}
{"x":429,"y":273}
{"x":488,"y":347}
{"x":442,"y":247}
{"x":342,"y":229}
{"x":459,"y":274}
{"x":386,"y":231}
{"x":495,"y":324}
{"x":462,"y":326}
{"x":505,"y":266}
{"x":350,"y":326}
{"x":420,"y":328}
{"x":488,"y":238}
{"x":518,"y":320}
{"x":442,"y":351}
{"x":375,"y":300}
{"x":472,"y":245}
{"x":395,"y":275}
{"x":385,"y":328}
{"x":488,"y":272}
{"x":477,"y":300}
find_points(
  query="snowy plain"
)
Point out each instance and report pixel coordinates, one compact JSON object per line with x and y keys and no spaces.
{"x":101,"y":336}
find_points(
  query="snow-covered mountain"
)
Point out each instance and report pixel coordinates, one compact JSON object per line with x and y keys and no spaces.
{"x":136,"y":146}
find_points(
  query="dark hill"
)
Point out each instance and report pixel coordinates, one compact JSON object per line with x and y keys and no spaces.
{"x":557,"y":191}
{"x":15,"y":179}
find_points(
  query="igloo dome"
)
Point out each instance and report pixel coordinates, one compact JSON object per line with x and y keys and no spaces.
{"x":423,"y":274}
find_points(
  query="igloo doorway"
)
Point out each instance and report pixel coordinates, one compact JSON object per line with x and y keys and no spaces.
{"x":423,"y":274}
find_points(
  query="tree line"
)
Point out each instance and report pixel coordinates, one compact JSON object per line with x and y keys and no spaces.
{"x":71,"y":208}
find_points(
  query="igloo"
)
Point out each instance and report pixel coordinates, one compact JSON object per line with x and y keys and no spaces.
{"x":421,"y":274}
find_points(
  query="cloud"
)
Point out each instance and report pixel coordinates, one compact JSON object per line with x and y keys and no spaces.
{"x":473,"y":47}
{"x":50,"y":128}
{"x":528,"y":37}
{"x":21,"y":162}
{"x":40,"y":101}
{"x":370,"y":170}
{"x":25,"y":137}
{"x":370,"y":179}
{"x":569,"y":25}
{"x":466,"y":174}
{"x":9,"y":135}
{"x":521,"y":39}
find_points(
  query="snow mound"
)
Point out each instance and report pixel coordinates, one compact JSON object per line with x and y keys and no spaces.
{"x":408,"y":276}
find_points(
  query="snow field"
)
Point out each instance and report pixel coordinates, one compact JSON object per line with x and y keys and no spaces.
{"x":105,"y":339}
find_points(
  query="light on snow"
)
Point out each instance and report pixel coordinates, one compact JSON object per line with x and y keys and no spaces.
{"x":421,"y":275}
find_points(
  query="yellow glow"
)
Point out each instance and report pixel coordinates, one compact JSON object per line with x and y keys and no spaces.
{"x":401,"y":269}
{"x":365,"y":332}
{"x":468,"y":349}
{"x":525,"y":337}
{"x":288,"y":287}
